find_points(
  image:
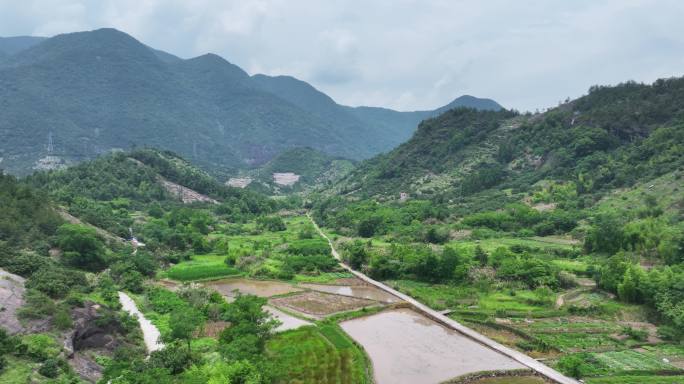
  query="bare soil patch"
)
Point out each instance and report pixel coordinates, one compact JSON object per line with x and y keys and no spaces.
{"x":286,"y":178}
{"x":214,"y":328}
{"x":262,"y":288}
{"x":186,"y":195}
{"x":322,"y":304}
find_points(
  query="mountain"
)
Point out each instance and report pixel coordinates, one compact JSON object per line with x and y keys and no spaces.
{"x":391,"y":128}
{"x":468,"y":101}
{"x":93,"y":92}
{"x":607,"y":139}
{"x":11,"y":45}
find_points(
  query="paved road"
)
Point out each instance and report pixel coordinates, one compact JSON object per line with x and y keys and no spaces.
{"x":434,"y":315}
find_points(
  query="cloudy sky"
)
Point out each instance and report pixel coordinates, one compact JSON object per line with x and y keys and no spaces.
{"x":403,"y":54}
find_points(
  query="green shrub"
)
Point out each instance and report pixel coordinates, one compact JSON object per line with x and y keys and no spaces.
{"x":56,"y":281}
{"x":62,"y":318}
{"x":39,"y":346}
{"x":49,"y":368}
{"x":163,"y":301}
{"x":37,"y":305}
{"x":271,"y":223}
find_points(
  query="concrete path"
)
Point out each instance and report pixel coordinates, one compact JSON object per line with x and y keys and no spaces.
{"x":150,"y":332}
{"x":533,"y":364}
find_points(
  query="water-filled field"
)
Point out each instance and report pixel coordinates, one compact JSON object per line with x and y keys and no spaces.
{"x":406,"y":347}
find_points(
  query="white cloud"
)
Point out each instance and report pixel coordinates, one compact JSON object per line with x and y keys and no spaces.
{"x":405,"y":54}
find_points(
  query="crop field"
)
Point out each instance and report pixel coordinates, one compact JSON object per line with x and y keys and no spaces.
{"x":636,"y":379}
{"x":313,"y":355}
{"x":322,"y":278}
{"x":491,"y":244}
{"x":629,"y":360}
{"x":510,"y":380}
{"x":200,"y":267}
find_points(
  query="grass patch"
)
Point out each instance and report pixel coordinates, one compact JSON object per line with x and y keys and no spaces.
{"x":200,"y":267}
{"x":637,"y":379}
{"x":17,"y":371}
{"x":616,"y":361}
{"x":323,"y":278}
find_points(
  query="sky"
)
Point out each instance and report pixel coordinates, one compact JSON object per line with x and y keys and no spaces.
{"x":400,"y":54}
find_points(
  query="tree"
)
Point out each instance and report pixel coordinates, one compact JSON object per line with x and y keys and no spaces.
{"x":271,"y":223}
{"x":356,"y":254}
{"x":436,"y":235}
{"x":448,"y":263}
{"x":250,"y":324}
{"x":183,"y":323}
{"x":630,"y":288}
{"x":481,"y":256}
{"x":81,"y":246}
{"x":370,"y":226}
{"x":173,"y":357}
{"x":427,"y":267}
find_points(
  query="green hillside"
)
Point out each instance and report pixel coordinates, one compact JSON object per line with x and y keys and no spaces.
{"x":559,"y":234}
{"x":607,"y":139}
{"x":310,"y":168}
{"x":103,"y":191}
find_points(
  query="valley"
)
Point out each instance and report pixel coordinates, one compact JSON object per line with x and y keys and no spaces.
{"x":484,"y":246}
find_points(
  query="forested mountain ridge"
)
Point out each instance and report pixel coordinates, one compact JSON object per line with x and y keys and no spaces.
{"x":12,"y":45}
{"x":607,"y":139}
{"x":102,"y":90}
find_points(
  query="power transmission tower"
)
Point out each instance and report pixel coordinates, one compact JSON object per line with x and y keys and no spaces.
{"x":50,"y":146}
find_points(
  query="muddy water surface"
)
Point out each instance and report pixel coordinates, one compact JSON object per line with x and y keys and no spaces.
{"x":288,"y":321}
{"x":408,"y":348}
{"x":366,"y":292}
{"x":262,"y":288}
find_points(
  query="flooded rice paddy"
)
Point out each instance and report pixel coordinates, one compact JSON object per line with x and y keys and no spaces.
{"x":287,"y":321}
{"x":261,"y":288}
{"x":408,"y":348}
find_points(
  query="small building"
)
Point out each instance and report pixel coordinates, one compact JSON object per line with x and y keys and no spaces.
{"x":403,"y":196}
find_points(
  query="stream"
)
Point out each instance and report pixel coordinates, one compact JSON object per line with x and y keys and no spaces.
{"x":150,"y":332}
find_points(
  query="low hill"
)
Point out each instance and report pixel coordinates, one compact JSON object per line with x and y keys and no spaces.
{"x":295,"y":170}
{"x":101,"y":191}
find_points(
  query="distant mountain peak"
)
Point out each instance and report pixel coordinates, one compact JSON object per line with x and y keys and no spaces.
{"x":469,"y":101}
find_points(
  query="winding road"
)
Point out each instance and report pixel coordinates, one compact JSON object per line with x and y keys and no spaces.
{"x":527,"y":361}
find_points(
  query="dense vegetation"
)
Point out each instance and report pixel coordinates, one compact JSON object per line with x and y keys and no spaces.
{"x":533,"y":215}
{"x":71,"y":266}
{"x":560,"y":234}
